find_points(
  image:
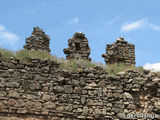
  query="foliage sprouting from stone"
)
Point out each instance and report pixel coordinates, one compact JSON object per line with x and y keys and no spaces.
{"x":6,"y":53}
{"x":25,"y":54}
{"x":113,"y":69}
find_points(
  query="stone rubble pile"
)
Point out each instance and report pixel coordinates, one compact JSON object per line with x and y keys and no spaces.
{"x":37,"y":41}
{"x":78,"y":47}
{"x":120,"y":52}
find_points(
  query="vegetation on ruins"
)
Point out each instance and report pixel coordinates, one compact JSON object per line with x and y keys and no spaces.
{"x":25,"y":54}
{"x":71,"y":65}
{"x":6,"y":53}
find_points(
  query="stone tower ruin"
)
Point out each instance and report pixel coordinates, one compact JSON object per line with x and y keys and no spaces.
{"x":78,"y":47}
{"x":120,"y":52}
{"x":37,"y":41}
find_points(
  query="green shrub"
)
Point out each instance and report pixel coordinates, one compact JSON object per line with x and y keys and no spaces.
{"x":6,"y":53}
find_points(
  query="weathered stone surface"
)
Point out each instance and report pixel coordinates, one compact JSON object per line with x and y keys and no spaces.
{"x":58,"y":89}
{"x":78,"y":47}
{"x":46,"y":97}
{"x":3,"y":93}
{"x":120,"y":52}
{"x":28,"y":90}
{"x":128,"y":95}
{"x":50,"y":105}
{"x":38,"y":105}
{"x":13,"y":94}
{"x":68,"y":89}
{"x":12,"y":84}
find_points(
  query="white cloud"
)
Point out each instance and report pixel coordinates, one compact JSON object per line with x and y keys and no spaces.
{"x":111,"y":21}
{"x":126,"y":27}
{"x":2,"y":28}
{"x":153,"y":67}
{"x":8,"y":39}
{"x":155,"y":27}
{"x":132,"y":26}
{"x":73,"y":21}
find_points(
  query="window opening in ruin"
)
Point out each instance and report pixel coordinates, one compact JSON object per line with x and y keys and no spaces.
{"x":77,"y":46}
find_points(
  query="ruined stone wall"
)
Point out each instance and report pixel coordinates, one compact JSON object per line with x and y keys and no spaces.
{"x":37,"y":41}
{"x":38,"y":89}
{"x":120,"y":52}
{"x":78,"y":47}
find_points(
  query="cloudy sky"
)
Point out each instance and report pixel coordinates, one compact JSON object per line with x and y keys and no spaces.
{"x":103,"y":21}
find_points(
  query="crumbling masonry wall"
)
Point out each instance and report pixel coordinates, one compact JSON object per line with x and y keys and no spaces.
{"x":120,"y":52}
{"x":78,"y":47}
{"x":39,"y":90}
{"x":37,"y":41}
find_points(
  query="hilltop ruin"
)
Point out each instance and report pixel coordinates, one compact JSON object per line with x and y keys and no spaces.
{"x":40,"y":90}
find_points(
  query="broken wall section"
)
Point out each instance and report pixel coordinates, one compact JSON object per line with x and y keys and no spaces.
{"x":120,"y":52}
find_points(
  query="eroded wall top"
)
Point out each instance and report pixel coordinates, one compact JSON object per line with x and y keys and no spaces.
{"x":38,"y":40}
{"x":120,"y":52}
{"x":78,"y":47}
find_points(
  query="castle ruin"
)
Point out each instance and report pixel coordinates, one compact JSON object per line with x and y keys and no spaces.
{"x":78,"y":47}
{"x":41,"y":90}
{"x":120,"y":52}
{"x":37,"y":41}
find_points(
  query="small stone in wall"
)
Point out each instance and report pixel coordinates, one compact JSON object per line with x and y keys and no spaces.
{"x":38,"y":106}
{"x":50,"y":105}
{"x":32,"y":86}
{"x":128,"y":95}
{"x":97,"y":111}
{"x":12,"y":84}
{"x":68,"y":89}
{"x":3,"y":93}
{"x":46,"y":97}
{"x":13,"y":94}
{"x":85,"y":110}
{"x":58,"y":89}
{"x":69,"y":108}
{"x":83,"y":100}
{"x":12,"y":102}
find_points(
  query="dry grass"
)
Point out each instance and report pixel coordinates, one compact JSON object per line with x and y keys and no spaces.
{"x":6,"y":53}
{"x":71,"y":65}
{"x":113,"y":69}
{"x":25,"y":55}
{"x":76,"y":65}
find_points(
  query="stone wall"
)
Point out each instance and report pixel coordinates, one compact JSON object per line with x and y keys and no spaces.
{"x":39,"y":89}
{"x":78,"y":47}
{"x":38,"y":40}
{"x":120,"y":52}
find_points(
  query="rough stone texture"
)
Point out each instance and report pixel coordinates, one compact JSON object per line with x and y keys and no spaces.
{"x":120,"y":52}
{"x":37,"y":41}
{"x":30,"y":91}
{"x":78,"y":47}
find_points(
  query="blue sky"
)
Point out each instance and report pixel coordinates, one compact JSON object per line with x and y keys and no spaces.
{"x":103,"y":21}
